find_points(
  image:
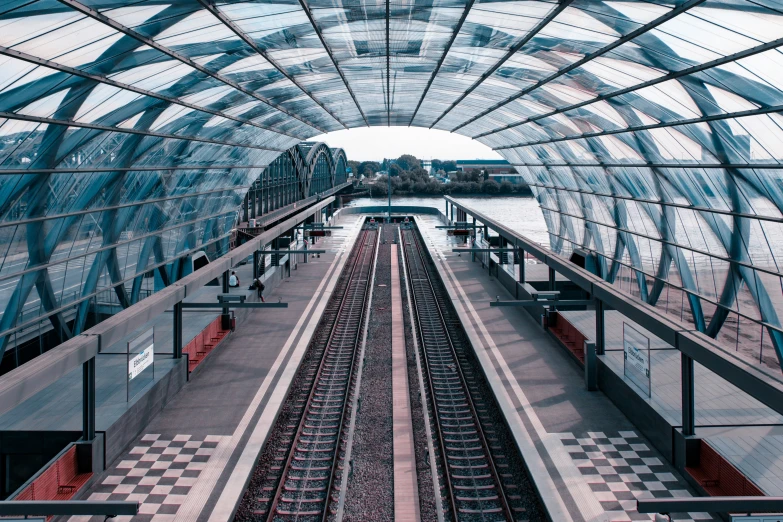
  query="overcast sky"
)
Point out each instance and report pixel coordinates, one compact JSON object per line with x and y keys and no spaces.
{"x":376,"y":143}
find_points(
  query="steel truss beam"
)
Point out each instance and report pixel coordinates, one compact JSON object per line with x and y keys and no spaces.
{"x":662,"y":203}
{"x":511,"y":52}
{"x":665,"y":78}
{"x":108,"y":81}
{"x":38,"y":268}
{"x":120,"y":170}
{"x":454,"y":34}
{"x":320,"y":35}
{"x":76,"y":302}
{"x":661,"y":125}
{"x":217,"y":13}
{"x":96,"y":210}
{"x":87,"y":11}
{"x":106,"y":128}
{"x":665,"y":242}
{"x":659,"y":165}
{"x":680,"y":9}
{"x":388,"y":66}
{"x":667,"y":282}
{"x":680,"y":288}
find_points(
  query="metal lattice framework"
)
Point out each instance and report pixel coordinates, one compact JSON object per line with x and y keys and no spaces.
{"x":650,"y":130}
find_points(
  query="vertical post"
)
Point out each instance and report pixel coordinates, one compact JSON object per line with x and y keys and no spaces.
{"x":473,"y":243}
{"x":552,"y":279}
{"x":177,"y":348}
{"x":88,"y":400}
{"x":255,"y":264}
{"x":591,"y":367}
{"x":225,"y":282}
{"x":390,"y":190}
{"x":521,"y":269}
{"x":245,"y":205}
{"x":522,"y":266}
{"x":688,"y":396}
{"x":452,"y":213}
{"x":600,"y":333}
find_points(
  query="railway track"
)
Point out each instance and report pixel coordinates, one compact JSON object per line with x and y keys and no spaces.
{"x":300,"y":476}
{"x":480,"y":467}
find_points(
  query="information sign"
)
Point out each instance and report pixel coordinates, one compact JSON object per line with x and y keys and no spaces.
{"x":141,"y":353}
{"x":636,"y":358}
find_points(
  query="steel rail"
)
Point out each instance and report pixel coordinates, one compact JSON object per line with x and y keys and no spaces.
{"x":347,"y":302}
{"x":411,"y":249}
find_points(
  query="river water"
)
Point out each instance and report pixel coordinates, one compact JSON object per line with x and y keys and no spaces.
{"x":521,"y":214}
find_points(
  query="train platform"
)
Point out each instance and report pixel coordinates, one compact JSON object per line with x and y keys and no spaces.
{"x":588,"y":461}
{"x":193,"y":460}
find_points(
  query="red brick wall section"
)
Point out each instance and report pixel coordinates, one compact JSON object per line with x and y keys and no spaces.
{"x":200,"y":346}
{"x":49,"y":484}
{"x":719,"y":477}
{"x":569,"y":335}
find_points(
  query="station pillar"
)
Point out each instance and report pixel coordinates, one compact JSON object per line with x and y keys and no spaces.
{"x":177,"y":331}
{"x":88,"y":400}
{"x":688,"y":396}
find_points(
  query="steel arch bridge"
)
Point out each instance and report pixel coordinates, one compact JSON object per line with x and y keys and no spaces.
{"x":304,"y":170}
{"x":650,"y":131}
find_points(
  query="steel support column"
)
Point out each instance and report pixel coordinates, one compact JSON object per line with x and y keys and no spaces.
{"x":88,"y":400}
{"x":688,"y":396}
{"x":600,"y":331}
{"x":552,"y":275}
{"x":177,"y":330}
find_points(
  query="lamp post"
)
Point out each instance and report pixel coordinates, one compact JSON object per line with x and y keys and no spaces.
{"x":389,"y":176}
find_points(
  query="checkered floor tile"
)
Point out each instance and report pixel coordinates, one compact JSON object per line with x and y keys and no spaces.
{"x":158,"y":472}
{"x":620,"y":467}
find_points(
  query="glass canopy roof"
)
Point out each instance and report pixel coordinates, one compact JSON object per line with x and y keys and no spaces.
{"x":650,"y":130}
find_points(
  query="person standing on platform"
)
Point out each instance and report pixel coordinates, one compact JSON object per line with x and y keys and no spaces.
{"x":259,"y":289}
{"x":233,"y":281}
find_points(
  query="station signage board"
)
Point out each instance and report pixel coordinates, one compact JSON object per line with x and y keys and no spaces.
{"x":318,"y":233}
{"x":141,"y":353}
{"x":636,"y":358}
{"x":458,"y":232}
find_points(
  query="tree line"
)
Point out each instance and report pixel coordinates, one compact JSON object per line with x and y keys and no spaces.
{"x":408,"y":179}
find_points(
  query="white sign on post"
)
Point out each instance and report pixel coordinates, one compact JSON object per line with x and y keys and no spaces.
{"x":636,"y":358}
{"x":141,"y":354}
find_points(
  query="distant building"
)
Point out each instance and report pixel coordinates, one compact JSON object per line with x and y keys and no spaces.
{"x":499,"y":170}
{"x":427,"y":165}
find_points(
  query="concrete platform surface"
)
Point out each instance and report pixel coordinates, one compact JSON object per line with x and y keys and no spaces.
{"x":588,"y":461}
{"x":193,"y":460}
